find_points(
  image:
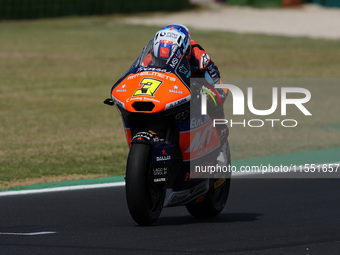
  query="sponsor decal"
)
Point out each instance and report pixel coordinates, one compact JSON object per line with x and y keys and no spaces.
{"x":178,"y":102}
{"x":134,"y":99}
{"x":201,"y":139}
{"x":159,"y":180}
{"x":206,"y":90}
{"x":148,"y":99}
{"x":151,"y":99}
{"x":149,"y":87}
{"x":163,"y":153}
{"x":160,"y":171}
{"x":198,"y":122}
{"x":174,"y":62}
{"x":182,"y":115}
{"x":148,"y":73}
{"x":178,"y":198}
{"x":155,"y":69}
{"x":182,"y":69}
{"x":175,"y":90}
{"x":163,"y":158}
{"x":204,"y":60}
{"x":142,"y":135}
{"x":169,"y":34}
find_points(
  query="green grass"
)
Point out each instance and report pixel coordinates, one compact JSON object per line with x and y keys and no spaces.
{"x":54,"y":75}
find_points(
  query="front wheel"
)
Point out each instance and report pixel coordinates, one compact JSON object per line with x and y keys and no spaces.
{"x":144,"y":197}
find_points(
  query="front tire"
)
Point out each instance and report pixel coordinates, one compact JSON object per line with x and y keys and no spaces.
{"x":144,"y":197}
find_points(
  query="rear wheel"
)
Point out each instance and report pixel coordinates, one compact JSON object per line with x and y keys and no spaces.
{"x":215,"y":200}
{"x":145,"y":198}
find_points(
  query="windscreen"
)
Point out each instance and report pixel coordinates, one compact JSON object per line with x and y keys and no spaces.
{"x":177,"y":63}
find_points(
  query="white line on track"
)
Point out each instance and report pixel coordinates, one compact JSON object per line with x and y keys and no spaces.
{"x":68,"y":188}
{"x":28,"y":234}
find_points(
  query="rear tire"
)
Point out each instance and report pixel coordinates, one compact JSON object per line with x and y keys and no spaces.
{"x":144,"y":197}
{"x":216,"y":198}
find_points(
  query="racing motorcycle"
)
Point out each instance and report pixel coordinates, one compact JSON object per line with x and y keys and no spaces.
{"x":167,"y":136}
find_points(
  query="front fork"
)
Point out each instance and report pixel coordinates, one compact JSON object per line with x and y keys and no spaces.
{"x":162,"y":156}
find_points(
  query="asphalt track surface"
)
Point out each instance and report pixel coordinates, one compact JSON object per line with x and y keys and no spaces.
{"x":263,"y":216}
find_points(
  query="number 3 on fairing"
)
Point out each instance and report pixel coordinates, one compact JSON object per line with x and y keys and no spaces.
{"x":149,"y":87}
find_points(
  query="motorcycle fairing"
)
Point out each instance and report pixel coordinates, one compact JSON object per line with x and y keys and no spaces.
{"x":181,"y":197}
{"x":155,"y":92}
{"x":162,"y":96}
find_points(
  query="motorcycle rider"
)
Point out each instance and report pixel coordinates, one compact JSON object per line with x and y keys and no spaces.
{"x":200,"y":62}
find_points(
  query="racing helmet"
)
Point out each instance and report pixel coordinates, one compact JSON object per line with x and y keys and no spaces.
{"x":166,"y":40}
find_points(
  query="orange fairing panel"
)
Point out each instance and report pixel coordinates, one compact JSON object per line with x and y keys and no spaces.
{"x":199,"y":141}
{"x":163,"y":90}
